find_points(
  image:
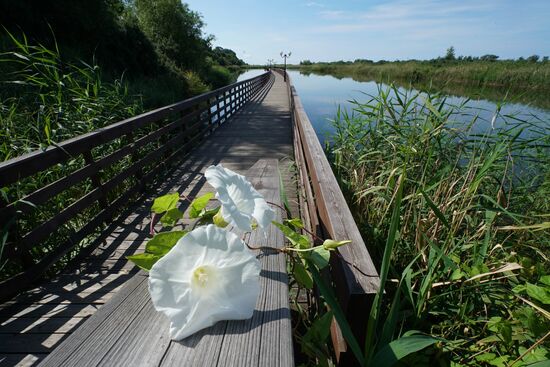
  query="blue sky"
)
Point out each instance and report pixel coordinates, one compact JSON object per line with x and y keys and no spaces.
{"x":328,"y":30}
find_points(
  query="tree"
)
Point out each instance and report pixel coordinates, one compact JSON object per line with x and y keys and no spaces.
{"x":533,"y":58}
{"x":225,"y":57}
{"x":450,"y":55}
{"x":489,"y":57}
{"x":175,"y":31}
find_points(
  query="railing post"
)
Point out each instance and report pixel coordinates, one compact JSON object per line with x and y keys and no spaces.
{"x":218,"y":120}
{"x":226,"y":96}
{"x":134,"y":158}
{"x":241,"y":94}
{"x":232,"y":103}
{"x":96,"y":181}
{"x":210,"y":122}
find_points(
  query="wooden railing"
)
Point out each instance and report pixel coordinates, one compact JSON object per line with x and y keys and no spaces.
{"x":326,"y":213}
{"x":97,"y":174}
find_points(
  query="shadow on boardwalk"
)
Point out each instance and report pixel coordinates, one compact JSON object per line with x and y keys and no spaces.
{"x":34,"y":323}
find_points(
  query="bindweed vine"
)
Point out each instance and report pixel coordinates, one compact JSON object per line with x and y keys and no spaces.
{"x":208,"y":273}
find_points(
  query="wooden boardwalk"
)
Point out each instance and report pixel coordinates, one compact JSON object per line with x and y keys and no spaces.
{"x":36,"y":322}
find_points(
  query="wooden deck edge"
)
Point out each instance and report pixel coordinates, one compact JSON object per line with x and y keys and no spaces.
{"x":352,"y":270}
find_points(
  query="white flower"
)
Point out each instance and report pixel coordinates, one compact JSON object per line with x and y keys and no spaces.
{"x":240,"y":201}
{"x":208,"y":276}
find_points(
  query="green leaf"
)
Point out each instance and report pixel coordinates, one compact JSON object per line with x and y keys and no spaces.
{"x":171,"y":217}
{"x":207,"y":216}
{"x":320,"y":329}
{"x":391,"y":353}
{"x":545,"y":363}
{"x":302,"y":276}
{"x":536,"y":355}
{"x":163,"y":242}
{"x":144,"y":261}
{"x":320,"y":257}
{"x":297,"y":240}
{"x":219,"y":221}
{"x":435,"y":209}
{"x":331,"y":244}
{"x":294,"y":222}
{"x":457,"y":274}
{"x":499,"y":361}
{"x":482,"y":253}
{"x":376,"y":309}
{"x":545,"y":279}
{"x":282,"y":194}
{"x":330,"y":298}
{"x":199,"y":204}
{"x":165,"y":203}
{"x":486,"y":357}
{"x":538,"y":293}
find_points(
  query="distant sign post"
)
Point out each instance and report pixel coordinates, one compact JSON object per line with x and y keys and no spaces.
{"x":284,"y":56}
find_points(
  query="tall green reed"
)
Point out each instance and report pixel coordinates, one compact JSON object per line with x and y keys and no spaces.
{"x":445,"y":211}
{"x":43,"y":101}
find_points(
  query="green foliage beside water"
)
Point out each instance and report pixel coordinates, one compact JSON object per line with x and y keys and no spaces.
{"x":158,"y":46}
{"x":519,"y":80}
{"x":70,"y":67}
{"x":460,"y":223}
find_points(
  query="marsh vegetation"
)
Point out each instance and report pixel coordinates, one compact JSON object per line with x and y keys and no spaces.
{"x":468,"y":219}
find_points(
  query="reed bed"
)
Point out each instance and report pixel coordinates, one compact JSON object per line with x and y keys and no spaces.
{"x":459,"y":223}
{"x":43,"y":101}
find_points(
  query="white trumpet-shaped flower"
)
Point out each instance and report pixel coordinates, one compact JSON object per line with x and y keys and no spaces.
{"x":208,"y":276}
{"x":241,"y":203}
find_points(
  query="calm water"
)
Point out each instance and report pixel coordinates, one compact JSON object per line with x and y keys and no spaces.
{"x":322,"y":94}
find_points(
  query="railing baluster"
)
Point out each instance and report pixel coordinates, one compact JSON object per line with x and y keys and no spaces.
{"x":158,"y":146}
{"x":225,"y":105}
{"x":218,"y":121}
{"x":210,"y":122}
{"x":96,"y":181}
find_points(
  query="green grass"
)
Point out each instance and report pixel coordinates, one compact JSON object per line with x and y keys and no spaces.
{"x":527,"y":82}
{"x":446,"y":213}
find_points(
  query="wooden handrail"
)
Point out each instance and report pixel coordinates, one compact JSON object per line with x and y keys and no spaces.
{"x":146,"y":141}
{"x":327,"y":213}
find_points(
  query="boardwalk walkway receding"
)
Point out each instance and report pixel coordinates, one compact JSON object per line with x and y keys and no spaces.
{"x":35,"y":323}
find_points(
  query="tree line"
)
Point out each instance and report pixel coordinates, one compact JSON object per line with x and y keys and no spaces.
{"x":450,"y":56}
{"x":137,"y":38}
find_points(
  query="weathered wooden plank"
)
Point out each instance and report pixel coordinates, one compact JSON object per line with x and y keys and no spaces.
{"x":31,"y":343}
{"x":271,"y":320}
{"x":186,"y":177}
{"x":21,"y":359}
{"x":77,"y":350}
{"x":142,"y":334}
{"x":167,"y":150}
{"x":41,"y":325}
{"x":144,"y":341}
{"x":41,"y":310}
{"x":355,"y":276}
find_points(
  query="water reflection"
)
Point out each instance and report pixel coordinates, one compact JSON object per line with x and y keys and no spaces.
{"x":321,"y":96}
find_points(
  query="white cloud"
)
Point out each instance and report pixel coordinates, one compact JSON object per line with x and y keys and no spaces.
{"x":314,"y":4}
{"x":334,"y":14}
{"x":418,"y":19}
{"x":277,"y":38}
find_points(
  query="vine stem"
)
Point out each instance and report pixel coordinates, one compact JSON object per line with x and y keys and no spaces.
{"x":538,"y":342}
{"x":152,"y":224}
{"x":285,"y":250}
{"x":282,"y":250}
{"x":313,"y":235}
